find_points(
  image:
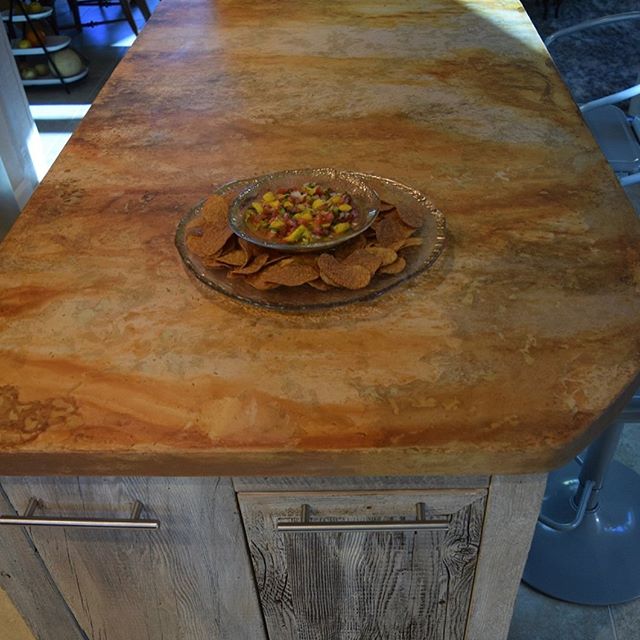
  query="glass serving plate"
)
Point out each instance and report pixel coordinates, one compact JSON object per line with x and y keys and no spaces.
{"x":306,"y":298}
{"x":364,"y":199}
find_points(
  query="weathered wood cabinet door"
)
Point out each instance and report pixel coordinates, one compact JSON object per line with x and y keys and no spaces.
{"x":369,"y":584}
{"x":189,"y":580}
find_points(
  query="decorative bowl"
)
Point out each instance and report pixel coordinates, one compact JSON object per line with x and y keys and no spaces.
{"x":364,"y":200}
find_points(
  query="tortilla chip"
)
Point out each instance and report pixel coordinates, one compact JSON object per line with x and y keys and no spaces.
{"x":257,"y":281}
{"x":320,"y":285}
{"x":233,"y":258}
{"x":412,"y":217}
{"x":347,"y":276}
{"x":290,"y":272}
{"x":413,"y":241}
{"x":391,"y":229}
{"x":347,"y":248}
{"x":387,"y":255}
{"x":386,"y":206}
{"x":252,"y":250}
{"x":275,"y":256}
{"x":395,"y":267}
{"x":210,"y":243}
{"x":215,"y":229}
{"x":369,"y":260}
{"x":215,"y":210}
{"x":253,"y":267}
{"x":196,"y":227}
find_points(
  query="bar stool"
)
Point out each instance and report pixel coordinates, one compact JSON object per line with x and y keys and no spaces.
{"x":545,"y":4}
{"x":586,"y":546}
{"x":125,"y":5}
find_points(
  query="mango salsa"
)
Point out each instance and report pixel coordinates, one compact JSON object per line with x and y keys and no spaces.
{"x":301,"y":215}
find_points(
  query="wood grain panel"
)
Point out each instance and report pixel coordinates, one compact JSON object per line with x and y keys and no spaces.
{"x":512,"y":509}
{"x":26,"y":580}
{"x":189,"y":580}
{"x":374,"y":585}
{"x":379,"y":483}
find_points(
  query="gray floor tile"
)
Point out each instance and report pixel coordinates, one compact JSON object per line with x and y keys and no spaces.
{"x":537,"y":617}
{"x":629,"y":452}
{"x":626,"y":618}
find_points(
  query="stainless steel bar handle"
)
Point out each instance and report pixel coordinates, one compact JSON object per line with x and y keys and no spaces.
{"x":420,"y":524}
{"x":29,"y":520}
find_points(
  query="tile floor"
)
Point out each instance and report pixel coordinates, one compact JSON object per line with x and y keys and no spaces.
{"x":12,"y":626}
{"x":536,"y":616}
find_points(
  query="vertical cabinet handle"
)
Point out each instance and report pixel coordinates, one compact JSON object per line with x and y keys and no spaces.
{"x":421,"y":523}
{"x":30,"y":520}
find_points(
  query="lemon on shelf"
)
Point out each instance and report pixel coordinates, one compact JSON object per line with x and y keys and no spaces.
{"x":28,"y":73}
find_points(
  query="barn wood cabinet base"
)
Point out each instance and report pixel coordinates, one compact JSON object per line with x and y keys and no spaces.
{"x":270,"y":558}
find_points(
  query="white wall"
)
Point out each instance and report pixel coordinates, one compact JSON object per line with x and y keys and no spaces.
{"x":20,"y":148}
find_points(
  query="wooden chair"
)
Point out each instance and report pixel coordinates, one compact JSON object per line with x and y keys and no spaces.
{"x":546,"y":8}
{"x":125,"y":5}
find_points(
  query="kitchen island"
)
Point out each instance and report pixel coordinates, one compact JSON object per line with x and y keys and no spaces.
{"x":444,"y":401}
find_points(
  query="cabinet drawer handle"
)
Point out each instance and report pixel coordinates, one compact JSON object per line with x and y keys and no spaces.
{"x":29,"y":520}
{"x":419,"y":524}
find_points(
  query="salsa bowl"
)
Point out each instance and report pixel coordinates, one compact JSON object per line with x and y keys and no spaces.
{"x":303,"y":210}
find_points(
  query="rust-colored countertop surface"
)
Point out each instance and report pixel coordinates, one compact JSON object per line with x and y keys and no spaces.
{"x":508,"y":356}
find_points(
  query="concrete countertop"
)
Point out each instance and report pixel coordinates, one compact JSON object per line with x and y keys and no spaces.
{"x":508,"y":356}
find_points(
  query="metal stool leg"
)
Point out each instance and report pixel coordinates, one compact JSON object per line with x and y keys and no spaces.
{"x":594,"y":559}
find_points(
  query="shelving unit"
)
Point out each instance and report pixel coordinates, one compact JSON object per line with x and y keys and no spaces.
{"x":51,"y":80}
{"x":21,"y":17}
{"x":51,"y":43}
{"x":18,"y":14}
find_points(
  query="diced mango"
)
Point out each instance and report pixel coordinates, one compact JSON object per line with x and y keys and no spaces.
{"x":345,"y":207}
{"x":276,"y":224}
{"x":341,"y":227}
{"x":317,"y":203}
{"x":297,"y":234}
{"x":304,"y":215}
{"x":257,"y":206}
{"x":268,"y":197}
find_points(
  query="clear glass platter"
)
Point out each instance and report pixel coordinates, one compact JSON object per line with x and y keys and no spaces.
{"x":304,"y":298}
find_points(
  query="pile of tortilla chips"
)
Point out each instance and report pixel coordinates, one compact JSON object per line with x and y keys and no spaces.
{"x":351,"y":265}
